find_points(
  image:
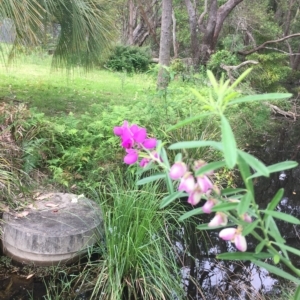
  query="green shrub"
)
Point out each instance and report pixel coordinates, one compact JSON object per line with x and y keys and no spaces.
{"x":272,"y":69}
{"x":221,"y":57}
{"x":129,"y":59}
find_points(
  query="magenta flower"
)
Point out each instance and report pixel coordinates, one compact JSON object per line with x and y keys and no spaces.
{"x":144,"y":162}
{"x":234,"y":235}
{"x":149,"y":143}
{"x":194,"y":197}
{"x":131,"y":157}
{"x":187,"y":183}
{"x":220,"y":219}
{"x":207,"y":207}
{"x":177,"y":170}
{"x":204,"y":183}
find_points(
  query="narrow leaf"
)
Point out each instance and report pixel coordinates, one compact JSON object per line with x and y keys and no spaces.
{"x":229,"y":143}
{"x":262,"y":97}
{"x":196,"y":144}
{"x":297,"y":294}
{"x":244,"y":203}
{"x":250,"y":227}
{"x":282,"y":216}
{"x":170,"y":198}
{"x":188,"y":121}
{"x":151,"y":178}
{"x":260,"y":246}
{"x":288,"y":248}
{"x":274,"y":202}
{"x":231,"y":191}
{"x":243,"y":256}
{"x":193,"y":212}
{"x":285,"y":165}
{"x":206,"y":227}
{"x":254,"y":163}
{"x":240,"y":78}
{"x":212,"y":79}
{"x":245,"y":172}
{"x":277,"y":271}
{"x":210,"y":167}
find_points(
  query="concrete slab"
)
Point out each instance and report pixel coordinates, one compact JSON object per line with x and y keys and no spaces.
{"x":58,"y":228}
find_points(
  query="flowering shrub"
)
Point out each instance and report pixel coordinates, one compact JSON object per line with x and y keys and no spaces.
{"x":235,"y":210}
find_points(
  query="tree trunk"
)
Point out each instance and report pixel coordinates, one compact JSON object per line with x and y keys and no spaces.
{"x":210,"y":27}
{"x":165,"y":44}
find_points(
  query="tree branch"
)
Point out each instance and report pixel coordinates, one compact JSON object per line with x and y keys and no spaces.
{"x":262,"y":46}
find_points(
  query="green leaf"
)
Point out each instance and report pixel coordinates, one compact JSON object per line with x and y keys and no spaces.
{"x":210,"y":167}
{"x":196,"y":144}
{"x":274,"y":202}
{"x":193,"y":212}
{"x":273,"y":230}
{"x":282,"y":216}
{"x":262,"y":97}
{"x":170,"y":198}
{"x":245,"y":172}
{"x":212,"y":79}
{"x":276,"y":259}
{"x":151,"y":178}
{"x":206,"y":227}
{"x":297,"y":294}
{"x":188,"y":121}
{"x":229,"y":143}
{"x":276,"y":271}
{"x":218,"y":207}
{"x":254,"y":163}
{"x":244,"y":203}
{"x":240,"y":78}
{"x":288,"y":248}
{"x":285,"y":165}
{"x":260,"y":246}
{"x":243,"y":256}
{"x":178,"y":157}
{"x":231,"y":191}
{"x":250,"y":227}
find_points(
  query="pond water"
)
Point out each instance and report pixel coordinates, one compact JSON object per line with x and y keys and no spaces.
{"x":214,"y":279}
{"x":236,"y":280}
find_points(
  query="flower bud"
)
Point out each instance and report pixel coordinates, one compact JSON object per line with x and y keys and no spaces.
{"x":177,"y":170}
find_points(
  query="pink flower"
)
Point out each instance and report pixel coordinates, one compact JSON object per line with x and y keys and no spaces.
{"x":240,"y":242}
{"x":220,"y":219}
{"x":144,"y":162}
{"x":131,"y":157}
{"x":177,"y":170}
{"x":234,"y":235}
{"x":150,"y":143}
{"x":247,"y":218}
{"x":204,"y":183}
{"x":227,"y":234}
{"x":194,"y":197}
{"x":207,"y":207}
{"x":187,"y":183}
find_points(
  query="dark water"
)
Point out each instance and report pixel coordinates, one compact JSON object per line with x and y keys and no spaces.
{"x":236,"y":280}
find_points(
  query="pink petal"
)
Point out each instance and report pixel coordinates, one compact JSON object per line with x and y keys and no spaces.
{"x":247,"y":218}
{"x":194,"y":197}
{"x":208,"y":206}
{"x":187,"y":184}
{"x":140,"y":135}
{"x":240,"y":242}
{"x":144,"y":162}
{"x":177,"y":170}
{"x":204,"y":183}
{"x":219,"y":219}
{"x":118,"y":130}
{"x":227,"y":234}
{"x":150,"y":143}
{"x":131,"y":157}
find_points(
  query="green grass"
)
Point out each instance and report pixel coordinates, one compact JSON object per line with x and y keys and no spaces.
{"x":55,"y":92}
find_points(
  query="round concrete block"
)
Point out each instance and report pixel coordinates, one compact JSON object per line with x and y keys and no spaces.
{"x":58,"y":228}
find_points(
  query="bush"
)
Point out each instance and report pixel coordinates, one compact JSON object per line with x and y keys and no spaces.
{"x":129,"y":59}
